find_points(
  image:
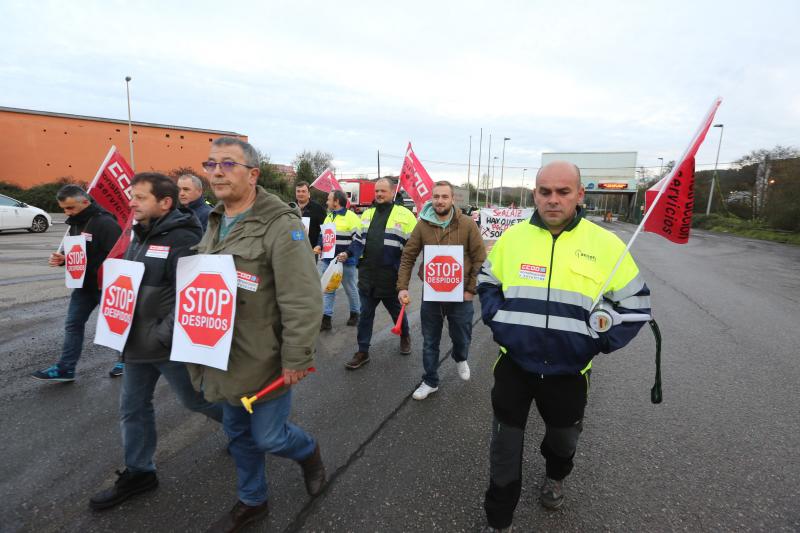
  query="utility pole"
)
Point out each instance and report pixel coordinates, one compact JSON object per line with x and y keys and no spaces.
{"x":379,"y":164}
{"x":502,"y":168}
{"x":714,"y":176}
{"x":494,"y":166}
{"x":469,"y":166}
{"x":478,"y":188}
{"x":524,"y":195}
{"x":488,"y":162}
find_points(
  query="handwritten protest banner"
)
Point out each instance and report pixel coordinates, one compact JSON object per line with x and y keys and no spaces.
{"x":495,"y":220}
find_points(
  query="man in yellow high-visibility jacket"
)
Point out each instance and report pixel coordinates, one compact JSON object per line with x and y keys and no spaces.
{"x":537,"y":288}
{"x":349,"y":246}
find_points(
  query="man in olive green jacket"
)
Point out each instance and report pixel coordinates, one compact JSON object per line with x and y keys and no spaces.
{"x":278,"y":304}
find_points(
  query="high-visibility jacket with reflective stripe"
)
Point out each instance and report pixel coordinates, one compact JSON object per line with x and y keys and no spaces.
{"x":348,"y":234}
{"x":399,"y":226}
{"x":537,"y":289}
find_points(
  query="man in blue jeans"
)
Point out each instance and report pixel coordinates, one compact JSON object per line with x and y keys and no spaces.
{"x":274,"y":334}
{"x":348,"y":248}
{"x":100,"y":228}
{"x":441,"y":223}
{"x":163,"y":234}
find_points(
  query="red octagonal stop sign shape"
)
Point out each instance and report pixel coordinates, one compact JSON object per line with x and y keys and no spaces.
{"x":443,"y":273}
{"x":76,"y":261}
{"x":328,"y":240}
{"x":205,"y":309}
{"x":118,"y":302}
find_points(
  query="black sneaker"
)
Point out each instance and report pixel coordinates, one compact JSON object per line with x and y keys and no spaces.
{"x":353,"y":320}
{"x":54,"y":373}
{"x":326,"y":323}
{"x":117,"y":370}
{"x":551,"y":494}
{"x":128,"y":484}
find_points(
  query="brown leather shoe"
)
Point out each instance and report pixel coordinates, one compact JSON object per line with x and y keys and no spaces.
{"x":405,"y":345}
{"x":359,"y":359}
{"x":238,"y":517}
{"x":313,"y":472}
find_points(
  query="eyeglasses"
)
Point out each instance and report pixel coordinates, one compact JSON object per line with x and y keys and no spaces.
{"x":226,"y":166}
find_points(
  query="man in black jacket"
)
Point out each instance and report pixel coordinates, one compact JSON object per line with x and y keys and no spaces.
{"x":311,"y":209}
{"x":100,"y":228}
{"x":162,"y":235}
{"x":190,"y":193}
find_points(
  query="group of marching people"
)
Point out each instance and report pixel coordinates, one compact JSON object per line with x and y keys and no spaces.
{"x":378,"y":252}
{"x":536,"y":289}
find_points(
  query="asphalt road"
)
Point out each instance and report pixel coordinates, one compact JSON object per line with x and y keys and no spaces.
{"x":720,"y":454}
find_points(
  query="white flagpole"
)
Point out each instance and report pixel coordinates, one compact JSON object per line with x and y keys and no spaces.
{"x":667,"y":181}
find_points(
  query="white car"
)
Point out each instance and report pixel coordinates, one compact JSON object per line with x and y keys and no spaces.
{"x":19,"y":215}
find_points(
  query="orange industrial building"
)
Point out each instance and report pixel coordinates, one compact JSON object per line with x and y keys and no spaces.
{"x":40,"y":147}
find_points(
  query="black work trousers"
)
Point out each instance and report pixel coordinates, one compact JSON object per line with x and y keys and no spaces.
{"x":560,"y":401}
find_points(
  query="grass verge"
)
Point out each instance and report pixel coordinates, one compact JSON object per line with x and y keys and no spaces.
{"x":744,"y":228}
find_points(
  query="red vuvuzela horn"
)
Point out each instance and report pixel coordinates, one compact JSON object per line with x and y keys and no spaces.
{"x":398,"y":328}
{"x":248,"y":402}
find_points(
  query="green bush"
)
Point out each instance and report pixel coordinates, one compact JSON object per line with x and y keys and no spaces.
{"x":41,"y":196}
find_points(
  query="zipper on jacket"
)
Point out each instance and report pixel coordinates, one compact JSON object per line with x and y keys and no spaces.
{"x":549,"y":279}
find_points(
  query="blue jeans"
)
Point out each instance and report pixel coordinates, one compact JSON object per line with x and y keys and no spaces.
{"x":368,"y":306}
{"x":136,"y":413}
{"x":267,"y":430}
{"x":350,"y":284}
{"x":81,"y":304}
{"x":459,"y":324}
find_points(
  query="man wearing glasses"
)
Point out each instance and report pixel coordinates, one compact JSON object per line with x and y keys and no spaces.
{"x":275,"y":330}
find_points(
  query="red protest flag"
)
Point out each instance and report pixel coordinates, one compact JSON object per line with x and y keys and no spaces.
{"x":118,"y":250}
{"x":415,"y":179}
{"x":111,"y":189}
{"x":670,"y":202}
{"x":672,"y":215}
{"x":326,"y":182}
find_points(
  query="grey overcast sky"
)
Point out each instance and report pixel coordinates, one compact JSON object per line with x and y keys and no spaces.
{"x":353,"y":77}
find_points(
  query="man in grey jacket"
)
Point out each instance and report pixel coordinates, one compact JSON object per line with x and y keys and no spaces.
{"x":163,"y":234}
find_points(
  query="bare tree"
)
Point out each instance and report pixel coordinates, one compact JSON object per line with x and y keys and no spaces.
{"x":755,"y":157}
{"x":317,"y":159}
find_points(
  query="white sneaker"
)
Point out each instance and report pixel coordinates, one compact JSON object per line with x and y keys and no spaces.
{"x":463,"y":370}
{"x":423,"y":391}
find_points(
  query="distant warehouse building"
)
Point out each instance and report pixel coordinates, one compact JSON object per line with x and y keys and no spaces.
{"x":40,"y":147}
{"x":608,"y":177}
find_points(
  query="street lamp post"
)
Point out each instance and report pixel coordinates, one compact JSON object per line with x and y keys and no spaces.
{"x":661,"y":168}
{"x":130,"y":124}
{"x":522,"y":200}
{"x":714,"y":176}
{"x":502,"y":168}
